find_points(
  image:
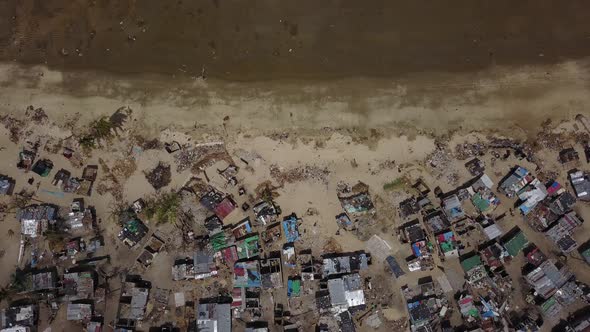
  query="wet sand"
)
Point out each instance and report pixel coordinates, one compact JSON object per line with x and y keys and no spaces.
{"x":264,"y":39}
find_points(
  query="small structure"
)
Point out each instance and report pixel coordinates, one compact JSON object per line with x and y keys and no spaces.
{"x":452,"y":207}
{"x":447,"y":243}
{"x":343,"y":221}
{"x":133,"y":229}
{"x":25,"y":159}
{"x":43,"y":281}
{"x":581,"y":183}
{"x":81,"y":312}
{"x":247,"y":274}
{"x":242,"y":228}
{"x":482,"y":196}
{"x":294,"y":286}
{"x":291,"y":228}
{"x":514,"y":241}
{"x":396,"y":270}
{"x":204,"y":265}
{"x":531,"y":195}
{"x":515,"y":181}
{"x":79,"y":285}
{"x":436,"y":221}
{"x":43,"y":167}
{"x":271,"y":234}
{"x":225,"y":207}
{"x":6,"y":185}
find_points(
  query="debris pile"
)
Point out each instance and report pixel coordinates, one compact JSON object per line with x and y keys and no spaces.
{"x":160,"y":176}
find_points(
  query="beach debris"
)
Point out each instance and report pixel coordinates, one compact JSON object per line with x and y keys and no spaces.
{"x":160,"y":176}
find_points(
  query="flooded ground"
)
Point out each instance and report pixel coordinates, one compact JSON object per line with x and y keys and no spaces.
{"x":265,"y":39}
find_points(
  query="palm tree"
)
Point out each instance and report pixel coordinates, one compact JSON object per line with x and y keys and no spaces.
{"x":10,"y":233}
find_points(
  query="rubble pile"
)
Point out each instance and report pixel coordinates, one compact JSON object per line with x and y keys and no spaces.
{"x":160,"y":176}
{"x":469,"y":150}
{"x":299,"y":174}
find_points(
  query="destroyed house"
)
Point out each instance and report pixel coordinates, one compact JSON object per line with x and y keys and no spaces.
{"x":79,"y":285}
{"x":90,"y":172}
{"x":133,"y":301}
{"x":266,"y":212}
{"x":270,"y":270}
{"x":515,"y":181}
{"x":19,"y":315}
{"x":568,"y":155}
{"x":6,"y":185}
{"x":345,"y":263}
{"x":213,"y":224}
{"x":581,"y":183}
{"x":35,"y":219}
{"x":80,"y":221}
{"x":482,"y":196}
{"x":534,"y":255}
{"x":359,"y":203}
{"x":213,"y":316}
{"x":211,"y":199}
{"x":271,"y":234}
{"x":422,"y":311}
{"x":408,"y":207}
{"x":43,"y":167}
{"x":541,"y":217}
{"x":547,"y":277}
{"x":183,"y":269}
{"x":493,"y":254}
{"x":412,"y":231}
{"x":437,"y":221}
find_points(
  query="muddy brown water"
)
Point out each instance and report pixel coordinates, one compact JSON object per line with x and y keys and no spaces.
{"x":270,"y":39}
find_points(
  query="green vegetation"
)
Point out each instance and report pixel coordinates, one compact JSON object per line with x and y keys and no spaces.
{"x":101,"y":129}
{"x":396,"y":184}
{"x":164,"y":208}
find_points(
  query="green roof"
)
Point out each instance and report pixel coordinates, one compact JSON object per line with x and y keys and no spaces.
{"x":516,"y":244}
{"x":548,"y":304}
{"x":471,"y":262}
{"x":480,"y":203}
{"x":447,"y":246}
{"x":218,"y":241}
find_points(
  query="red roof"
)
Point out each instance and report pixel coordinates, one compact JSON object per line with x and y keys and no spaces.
{"x":224,"y":208}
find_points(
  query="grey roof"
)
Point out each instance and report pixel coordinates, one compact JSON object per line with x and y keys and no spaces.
{"x":79,"y":311}
{"x":139,"y":297}
{"x":337,"y":292}
{"x":214,"y":314}
{"x":203,"y":262}
{"x":345,"y":263}
{"x":581,"y":184}
{"x":37,"y":212}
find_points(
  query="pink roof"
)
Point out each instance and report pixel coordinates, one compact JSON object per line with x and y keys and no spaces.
{"x":224,"y":208}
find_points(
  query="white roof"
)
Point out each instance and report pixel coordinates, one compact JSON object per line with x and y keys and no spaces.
{"x":354,"y":298}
